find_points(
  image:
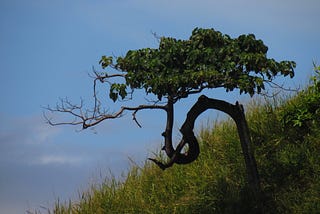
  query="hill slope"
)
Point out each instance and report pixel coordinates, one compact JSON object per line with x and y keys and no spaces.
{"x":286,"y":136}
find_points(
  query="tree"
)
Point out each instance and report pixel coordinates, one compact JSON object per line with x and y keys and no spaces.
{"x":177,"y":69}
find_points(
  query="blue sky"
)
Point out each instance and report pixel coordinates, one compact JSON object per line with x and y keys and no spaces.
{"x":47,"y":49}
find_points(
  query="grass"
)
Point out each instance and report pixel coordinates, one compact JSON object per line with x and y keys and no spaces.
{"x":286,"y":136}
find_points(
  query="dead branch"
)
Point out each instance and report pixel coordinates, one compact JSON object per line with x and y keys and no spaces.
{"x":96,"y":117}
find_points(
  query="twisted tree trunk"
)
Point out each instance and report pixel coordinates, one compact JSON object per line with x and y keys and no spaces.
{"x":236,"y":112}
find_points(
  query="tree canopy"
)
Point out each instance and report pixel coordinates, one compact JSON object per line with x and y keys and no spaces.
{"x":208,"y":59}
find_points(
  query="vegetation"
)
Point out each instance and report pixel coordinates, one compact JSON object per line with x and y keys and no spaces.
{"x":177,"y":69}
{"x":286,"y":137}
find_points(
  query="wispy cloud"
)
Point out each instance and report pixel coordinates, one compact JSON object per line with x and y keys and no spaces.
{"x":26,"y":130}
{"x":29,"y":140}
{"x":58,"y":160}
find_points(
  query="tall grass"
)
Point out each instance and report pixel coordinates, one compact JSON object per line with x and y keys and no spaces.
{"x":287,"y":153}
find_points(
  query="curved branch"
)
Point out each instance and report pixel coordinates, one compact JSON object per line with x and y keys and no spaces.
{"x":189,"y":138}
{"x":236,"y":112}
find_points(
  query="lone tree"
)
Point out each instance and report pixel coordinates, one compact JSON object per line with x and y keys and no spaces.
{"x":177,"y":69}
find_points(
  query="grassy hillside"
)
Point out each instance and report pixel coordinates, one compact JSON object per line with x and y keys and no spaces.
{"x":286,"y":136}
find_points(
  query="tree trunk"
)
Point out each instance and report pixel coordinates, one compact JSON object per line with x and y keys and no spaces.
{"x":236,"y":112}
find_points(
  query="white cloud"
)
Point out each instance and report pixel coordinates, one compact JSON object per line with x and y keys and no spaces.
{"x":25,"y":140}
{"x":26,"y":130}
{"x":58,"y":160}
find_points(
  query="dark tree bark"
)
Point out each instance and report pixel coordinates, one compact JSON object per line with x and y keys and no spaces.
{"x":236,"y":112}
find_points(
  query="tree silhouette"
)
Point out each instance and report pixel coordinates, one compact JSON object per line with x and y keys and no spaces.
{"x":177,"y":69}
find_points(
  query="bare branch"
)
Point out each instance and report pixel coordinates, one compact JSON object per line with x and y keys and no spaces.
{"x":135,"y":119}
{"x":156,"y":36}
{"x":275,"y":85}
{"x":102,"y":76}
{"x":96,"y":117}
{"x":92,"y":117}
{"x":278,"y":87}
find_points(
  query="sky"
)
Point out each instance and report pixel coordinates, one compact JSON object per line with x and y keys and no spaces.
{"x":49,"y":48}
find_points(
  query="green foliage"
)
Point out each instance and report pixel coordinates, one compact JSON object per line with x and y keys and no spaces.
{"x":287,"y":157}
{"x":208,"y":59}
{"x":105,"y":61}
{"x":286,"y":134}
{"x":302,"y":113}
{"x":117,"y":89}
